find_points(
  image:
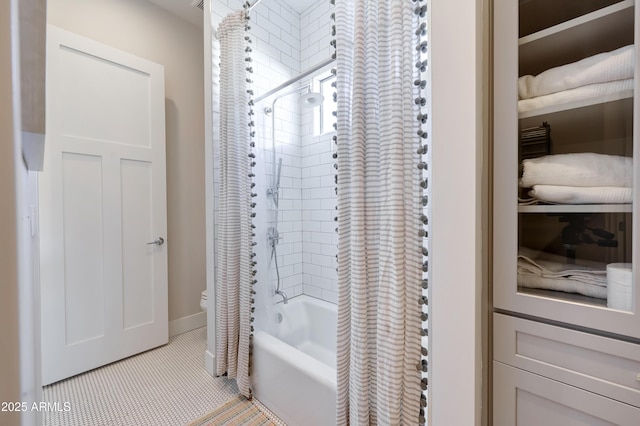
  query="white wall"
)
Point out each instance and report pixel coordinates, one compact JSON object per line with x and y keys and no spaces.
{"x":275,"y":29}
{"x":315,"y":34}
{"x":18,"y":356}
{"x":146,"y":30}
{"x":9,"y":348}
{"x":458,"y":213}
{"x":319,"y":199}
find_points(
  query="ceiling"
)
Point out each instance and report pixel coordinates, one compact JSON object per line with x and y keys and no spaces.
{"x":298,"y":5}
{"x":183,"y":8}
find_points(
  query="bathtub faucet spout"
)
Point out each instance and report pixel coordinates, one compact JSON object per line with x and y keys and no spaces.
{"x":285,"y":299}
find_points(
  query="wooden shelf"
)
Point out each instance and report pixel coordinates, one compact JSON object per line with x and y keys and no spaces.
{"x":556,"y":45}
{"x":577,"y":208}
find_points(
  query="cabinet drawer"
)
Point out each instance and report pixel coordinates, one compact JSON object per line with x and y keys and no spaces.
{"x":605,"y":366}
{"x":526,"y":399}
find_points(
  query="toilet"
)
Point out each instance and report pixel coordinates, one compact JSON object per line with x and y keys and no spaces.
{"x":203,"y":300}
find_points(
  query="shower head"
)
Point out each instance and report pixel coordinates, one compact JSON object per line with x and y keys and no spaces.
{"x":310,"y":100}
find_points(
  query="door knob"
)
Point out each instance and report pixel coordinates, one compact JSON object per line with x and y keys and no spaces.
{"x":158,"y":242}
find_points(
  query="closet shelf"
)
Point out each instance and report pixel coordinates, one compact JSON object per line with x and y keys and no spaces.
{"x":627,"y":94}
{"x":593,"y":18}
{"x":577,"y":208}
{"x":565,"y":297}
{"x":556,"y":45}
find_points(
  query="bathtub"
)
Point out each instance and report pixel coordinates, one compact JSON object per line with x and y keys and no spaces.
{"x":294,"y":371}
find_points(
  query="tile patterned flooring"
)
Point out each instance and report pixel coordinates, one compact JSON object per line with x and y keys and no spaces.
{"x":166,"y":386}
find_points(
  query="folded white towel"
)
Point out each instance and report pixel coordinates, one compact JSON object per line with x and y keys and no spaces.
{"x":584,"y":169}
{"x":578,"y":94}
{"x":582,"y":195}
{"x":547,"y":267}
{"x":566,"y":285}
{"x":593,"y":266}
{"x":601,"y":68}
{"x":551,"y":272}
{"x":531,"y":268}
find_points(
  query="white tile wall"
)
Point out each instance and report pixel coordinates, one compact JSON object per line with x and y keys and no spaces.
{"x":319,"y":238}
{"x":285,"y":44}
{"x":315,"y":34}
{"x":319,"y":198}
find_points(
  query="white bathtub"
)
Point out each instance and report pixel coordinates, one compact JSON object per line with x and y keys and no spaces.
{"x":294,"y":372}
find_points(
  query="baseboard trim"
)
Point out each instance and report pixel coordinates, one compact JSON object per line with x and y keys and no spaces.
{"x":209,"y":362}
{"x":188,"y":323}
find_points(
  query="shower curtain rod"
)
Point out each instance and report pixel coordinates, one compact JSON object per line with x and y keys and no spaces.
{"x":254,"y":4}
{"x":296,"y":78}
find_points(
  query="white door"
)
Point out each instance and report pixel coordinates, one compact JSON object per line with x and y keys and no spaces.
{"x":102,"y":201}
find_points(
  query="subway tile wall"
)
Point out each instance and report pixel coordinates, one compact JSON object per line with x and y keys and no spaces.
{"x":277,"y":54}
{"x":315,"y":34}
{"x":319,"y":238}
{"x":287,"y":43}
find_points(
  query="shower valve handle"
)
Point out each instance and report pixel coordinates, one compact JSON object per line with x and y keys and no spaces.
{"x":273,"y":235}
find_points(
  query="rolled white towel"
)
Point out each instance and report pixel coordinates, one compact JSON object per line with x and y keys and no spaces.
{"x":603,"y":67}
{"x":578,"y":94}
{"x":584,"y":169}
{"x":582,"y":195}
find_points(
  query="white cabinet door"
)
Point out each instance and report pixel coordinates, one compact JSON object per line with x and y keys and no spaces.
{"x":566,"y":258}
{"x":598,"y":364}
{"x":526,"y":399}
{"x":102,"y":200}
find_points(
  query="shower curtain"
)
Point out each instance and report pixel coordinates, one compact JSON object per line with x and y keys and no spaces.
{"x":234,"y":273}
{"x":379,"y":208}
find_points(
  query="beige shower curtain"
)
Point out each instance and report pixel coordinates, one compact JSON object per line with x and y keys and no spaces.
{"x":233,"y":271}
{"x":379,"y":205}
